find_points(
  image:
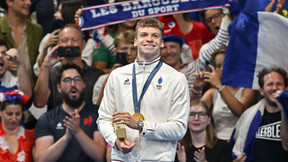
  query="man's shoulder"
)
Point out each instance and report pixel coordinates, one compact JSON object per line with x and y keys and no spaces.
{"x":91,"y":107}
{"x":51,"y":114}
{"x":255,"y":111}
{"x":33,"y":25}
{"x":4,"y":19}
{"x":259,"y":106}
{"x":4,"y":24}
{"x":87,"y":70}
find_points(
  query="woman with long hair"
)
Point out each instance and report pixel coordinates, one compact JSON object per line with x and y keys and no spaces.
{"x":200,"y":143}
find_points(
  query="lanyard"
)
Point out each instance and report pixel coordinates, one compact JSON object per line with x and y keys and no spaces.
{"x":146,"y":85}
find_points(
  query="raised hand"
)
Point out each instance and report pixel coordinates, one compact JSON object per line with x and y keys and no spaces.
{"x":212,"y":77}
{"x":51,"y":41}
{"x":181,"y":154}
{"x":51,"y":58}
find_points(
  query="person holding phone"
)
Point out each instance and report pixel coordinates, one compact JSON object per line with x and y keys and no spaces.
{"x":227,"y":102}
{"x":46,"y":91}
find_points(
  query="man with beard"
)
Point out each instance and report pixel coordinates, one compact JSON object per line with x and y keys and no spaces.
{"x":69,"y":131}
{"x":257,"y":132}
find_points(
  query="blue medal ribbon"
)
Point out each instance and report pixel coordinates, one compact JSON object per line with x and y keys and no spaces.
{"x":146,"y":85}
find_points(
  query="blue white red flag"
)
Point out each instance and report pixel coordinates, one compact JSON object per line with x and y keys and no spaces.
{"x":257,"y":40}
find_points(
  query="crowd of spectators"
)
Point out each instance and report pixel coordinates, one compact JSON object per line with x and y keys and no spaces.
{"x":79,"y":81}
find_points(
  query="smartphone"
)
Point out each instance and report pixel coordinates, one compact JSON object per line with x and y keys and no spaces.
{"x":121,"y":58}
{"x":207,"y":63}
{"x":68,"y":51}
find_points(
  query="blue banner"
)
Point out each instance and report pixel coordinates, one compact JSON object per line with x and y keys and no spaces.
{"x":103,"y":15}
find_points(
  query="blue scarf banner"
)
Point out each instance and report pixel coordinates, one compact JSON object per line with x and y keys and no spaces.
{"x":108,"y":14}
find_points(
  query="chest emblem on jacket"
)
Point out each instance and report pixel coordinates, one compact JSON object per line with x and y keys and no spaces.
{"x":159,"y":85}
{"x":127,"y":82}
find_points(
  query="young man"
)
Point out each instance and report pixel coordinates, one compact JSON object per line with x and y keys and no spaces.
{"x":257,"y":132}
{"x":69,"y":132}
{"x":156,"y":119}
{"x":46,"y":89}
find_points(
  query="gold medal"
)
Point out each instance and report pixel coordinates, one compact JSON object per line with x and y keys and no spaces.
{"x":138,"y":116}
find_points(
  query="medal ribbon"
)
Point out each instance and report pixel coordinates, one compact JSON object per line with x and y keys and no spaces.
{"x":146,"y":85}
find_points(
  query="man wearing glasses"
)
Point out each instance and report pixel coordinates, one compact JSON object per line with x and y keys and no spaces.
{"x":69,"y":132}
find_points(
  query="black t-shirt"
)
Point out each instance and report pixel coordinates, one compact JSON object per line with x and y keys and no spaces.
{"x":51,"y":124}
{"x":267,"y":146}
{"x":221,"y":152}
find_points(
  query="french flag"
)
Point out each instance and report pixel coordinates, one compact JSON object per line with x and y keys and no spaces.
{"x":257,"y":40}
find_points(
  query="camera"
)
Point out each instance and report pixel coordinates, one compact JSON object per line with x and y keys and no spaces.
{"x":68,"y":51}
{"x":121,"y":58}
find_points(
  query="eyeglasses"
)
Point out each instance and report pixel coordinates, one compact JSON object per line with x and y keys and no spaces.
{"x":215,"y":17}
{"x":201,"y":115}
{"x":76,"y":79}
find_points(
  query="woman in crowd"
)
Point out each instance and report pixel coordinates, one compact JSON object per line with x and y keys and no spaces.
{"x":16,"y":143}
{"x":200,"y":143}
{"x":227,"y":102}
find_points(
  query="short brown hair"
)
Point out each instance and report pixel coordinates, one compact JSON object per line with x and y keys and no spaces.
{"x":150,"y":22}
{"x":266,"y":71}
{"x":126,"y":36}
{"x":221,"y":50}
